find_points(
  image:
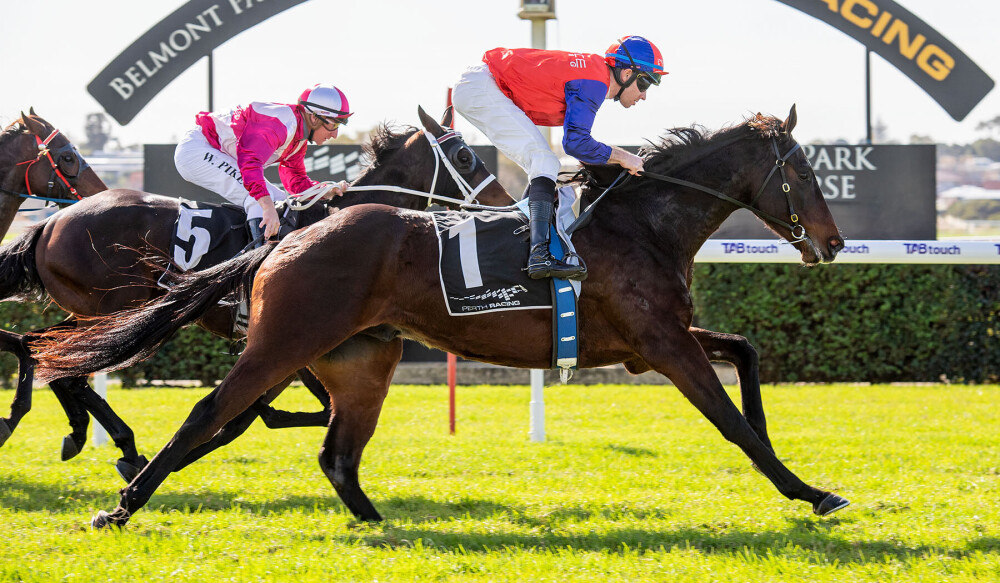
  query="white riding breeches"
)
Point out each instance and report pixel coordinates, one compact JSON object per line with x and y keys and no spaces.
{"x":200,"y":163}
{"x":479,"y":100}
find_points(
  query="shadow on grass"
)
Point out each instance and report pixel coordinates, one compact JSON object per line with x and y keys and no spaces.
{"x":413,"y":518}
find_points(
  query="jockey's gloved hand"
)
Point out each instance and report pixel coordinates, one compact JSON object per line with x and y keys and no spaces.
{"x":335,"y":189}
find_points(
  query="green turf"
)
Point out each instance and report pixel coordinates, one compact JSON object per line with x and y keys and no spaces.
{"x":632,"y":485}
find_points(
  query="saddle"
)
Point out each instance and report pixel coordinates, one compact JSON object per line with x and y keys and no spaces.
{"x":207,"y":234}
{"x":481,"y":258}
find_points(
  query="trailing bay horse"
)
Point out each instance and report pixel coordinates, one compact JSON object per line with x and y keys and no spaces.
{"x":37,"y":161}
{"x":372,"y":270}
{"x":87,"y":258}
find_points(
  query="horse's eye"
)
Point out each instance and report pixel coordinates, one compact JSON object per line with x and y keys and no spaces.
{"x":68,"y":158}
{"x":464,"y":159}
{"x":805,"y":176}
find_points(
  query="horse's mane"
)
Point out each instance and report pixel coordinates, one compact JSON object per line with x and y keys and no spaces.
{"x":384,"y":141}
{"x":680,"y":146}
{"x":14,"y":129}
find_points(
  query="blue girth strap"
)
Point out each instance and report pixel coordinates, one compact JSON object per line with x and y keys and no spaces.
{"x":564,"y":324}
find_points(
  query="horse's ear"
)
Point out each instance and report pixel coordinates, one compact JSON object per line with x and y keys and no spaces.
{"x":429,"y":123}
{"x":33,"y":125}
{"x":31,"y":110}
{"x":789,"y":124}
{"x":448,"y":118}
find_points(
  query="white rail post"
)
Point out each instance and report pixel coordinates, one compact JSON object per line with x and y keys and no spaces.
{"x":537,"y":405}
{"x":100,"y":436}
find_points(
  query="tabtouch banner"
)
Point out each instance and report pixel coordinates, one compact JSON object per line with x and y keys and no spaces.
{"x":155,"y":59}
{"x":874,"y":192}
{"x":913,"y":47}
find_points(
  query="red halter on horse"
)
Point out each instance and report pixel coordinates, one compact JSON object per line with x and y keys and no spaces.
{"x":38,"y":162}
{"x":312,"y":306}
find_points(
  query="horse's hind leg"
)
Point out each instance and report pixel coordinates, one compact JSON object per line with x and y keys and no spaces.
{"x":237,"y":426}
{"x":357,"y":375}
{"x":19,"y":407}
{"x":738,"y":351}
{"x":78,"y":417}
{"x":121,"y":434}
{"x":278,"y":419}
{"x":262,"y":366}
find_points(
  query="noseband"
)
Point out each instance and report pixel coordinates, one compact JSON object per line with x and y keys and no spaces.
{"x":67,"y":180}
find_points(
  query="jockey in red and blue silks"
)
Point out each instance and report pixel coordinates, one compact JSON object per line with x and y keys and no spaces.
{"x":227,"y":152}
{"x":515,"y":90}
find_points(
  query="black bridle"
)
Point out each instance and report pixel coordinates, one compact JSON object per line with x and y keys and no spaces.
{"x":67,"y":180}
{"x":797,"y":231}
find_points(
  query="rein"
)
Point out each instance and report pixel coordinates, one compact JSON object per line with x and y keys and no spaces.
{"x":797,"y":230}
{"x":304,"y":201}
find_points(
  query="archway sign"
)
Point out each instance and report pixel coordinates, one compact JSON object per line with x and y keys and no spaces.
{"x":156,"y":58}
{"x":920,"y":52}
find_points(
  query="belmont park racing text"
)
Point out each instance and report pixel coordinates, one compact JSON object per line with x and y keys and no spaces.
{"x":177,"y":41}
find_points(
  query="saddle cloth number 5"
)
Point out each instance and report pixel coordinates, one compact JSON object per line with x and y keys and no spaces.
{"x":199,"y":238}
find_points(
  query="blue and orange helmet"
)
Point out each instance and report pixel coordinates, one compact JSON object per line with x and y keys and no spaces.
{"x":635,"y":52}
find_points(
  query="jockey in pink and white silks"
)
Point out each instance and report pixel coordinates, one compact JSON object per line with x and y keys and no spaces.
{"x":227,"y":152}
{"x":515,"y":90}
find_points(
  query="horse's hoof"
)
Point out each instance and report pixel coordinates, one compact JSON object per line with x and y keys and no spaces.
{"x":829,"y":505}
{"x":4,"y":432}
{"x":102,"y":520}
{"x":129,"y":471}
{"x":70,"y":449}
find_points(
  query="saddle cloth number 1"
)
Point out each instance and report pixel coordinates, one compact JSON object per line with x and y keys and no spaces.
{"x":468,"y":251}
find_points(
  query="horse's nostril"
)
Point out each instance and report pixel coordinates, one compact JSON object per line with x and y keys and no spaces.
{"x":836,"y":243}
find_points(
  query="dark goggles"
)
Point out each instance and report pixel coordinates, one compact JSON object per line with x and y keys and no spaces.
{"x":644,"y":80}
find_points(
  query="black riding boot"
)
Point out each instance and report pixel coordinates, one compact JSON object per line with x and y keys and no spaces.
{"x":541,"y":263}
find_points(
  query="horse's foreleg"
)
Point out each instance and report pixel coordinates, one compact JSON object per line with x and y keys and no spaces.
{"x":738,"y":351}
{"x":358,"y":376}
{"x":19,"y":407}
{"x":121,"y":434}
{"x":682,"y":360}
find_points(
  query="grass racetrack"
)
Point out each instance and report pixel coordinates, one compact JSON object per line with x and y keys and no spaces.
{"x":632,"y":485}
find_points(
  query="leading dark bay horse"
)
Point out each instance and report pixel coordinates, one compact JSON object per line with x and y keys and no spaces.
{"x":87,"y":258}
{"x":636,"y":309}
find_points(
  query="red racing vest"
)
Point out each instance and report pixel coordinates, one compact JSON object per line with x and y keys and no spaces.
{"x":535,"y":79}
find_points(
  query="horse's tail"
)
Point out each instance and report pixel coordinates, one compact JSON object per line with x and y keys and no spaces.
{"x":18,"y":274}
{"x":121,"y":339}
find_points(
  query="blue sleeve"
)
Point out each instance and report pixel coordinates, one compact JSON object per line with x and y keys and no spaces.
{"x":583,"y":98}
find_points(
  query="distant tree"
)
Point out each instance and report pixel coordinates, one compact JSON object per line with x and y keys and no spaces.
{"x":990,"y":125}
{"x":988,"y":148}
{"x":919,"y":139}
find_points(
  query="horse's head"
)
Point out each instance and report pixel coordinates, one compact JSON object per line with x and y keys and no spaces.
{"x":466,"y":171}
{"x":790,"y":193}
{"x":53,"y":168}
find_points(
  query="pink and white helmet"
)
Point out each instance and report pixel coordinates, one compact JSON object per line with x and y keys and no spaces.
{"x":327,"y":101}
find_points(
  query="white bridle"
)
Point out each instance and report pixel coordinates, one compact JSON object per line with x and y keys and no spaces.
{"x":309,"y":197}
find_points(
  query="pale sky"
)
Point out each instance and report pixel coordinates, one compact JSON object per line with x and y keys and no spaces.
{"x":726,"y":58}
